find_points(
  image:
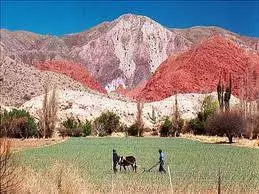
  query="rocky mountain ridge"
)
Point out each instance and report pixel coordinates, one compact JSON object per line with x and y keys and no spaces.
{"x":126,"y":51}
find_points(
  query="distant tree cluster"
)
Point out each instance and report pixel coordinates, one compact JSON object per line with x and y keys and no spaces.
{"x":215,"y":117}
{"x":17,"y":124}
{"x":172,"y":127}
{"x":208,"y":108}
{"x":229,"y":123}
{"x":75,"y":127}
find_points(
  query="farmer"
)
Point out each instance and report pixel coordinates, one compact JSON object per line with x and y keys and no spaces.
{"x":115,"y":160}
{"x":161,"y":161}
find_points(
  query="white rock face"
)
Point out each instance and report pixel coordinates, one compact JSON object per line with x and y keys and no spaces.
{"x":157,"y":37}
{"x":123,"y":40}
{"x":90,"y":106}
{"x":131,"y":48}
{"x":115,"y":84}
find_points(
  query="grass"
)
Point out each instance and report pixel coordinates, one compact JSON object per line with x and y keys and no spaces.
{"x":194,"y":165}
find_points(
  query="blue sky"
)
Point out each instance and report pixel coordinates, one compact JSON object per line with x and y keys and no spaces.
{"x":58,"y":18}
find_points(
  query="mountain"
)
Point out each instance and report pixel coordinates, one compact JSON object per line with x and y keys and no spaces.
{"x":73,"y":70}
{"x":199,"y":69}
{"x":129,"y":48}
{"x":198,"y":34}
{"x":121,"y":53}
{"x":20,"y":82}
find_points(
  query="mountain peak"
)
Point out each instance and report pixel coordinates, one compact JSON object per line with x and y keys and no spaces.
{"x":128,"y":15}
{"x":134,"y":17}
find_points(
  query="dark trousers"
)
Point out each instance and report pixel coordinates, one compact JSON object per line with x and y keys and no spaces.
{"x":114,"y":167}
{"x":161,"y":166}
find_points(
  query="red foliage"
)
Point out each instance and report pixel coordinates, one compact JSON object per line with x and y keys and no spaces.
{"x":200,"y":68}
{"x":73,"y":70}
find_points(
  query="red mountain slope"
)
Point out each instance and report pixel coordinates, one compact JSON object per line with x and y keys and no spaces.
{"x":73,"y":70}
{"x":199,"y":70}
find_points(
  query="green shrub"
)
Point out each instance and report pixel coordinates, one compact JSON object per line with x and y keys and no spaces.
{"x":74,"y":132}
{"x":133,"y":130}
{"x":71,"y":123}
{"x":87,"y":128}
{"x":17,"y":124}
{"x":165,"y":127}
{"x":209,"y":106}
{"x":107,"y":123}
{"x":75,"y":128}
{"x":197,"y":125}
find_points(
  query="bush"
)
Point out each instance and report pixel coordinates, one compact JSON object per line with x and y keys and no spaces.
{"x":63,"y":132}
{"x":154,"y":132}
{"x":74,"y":132}
{"x":165,"y":127}
{"x":122,"y":128}
{"x":87,"y":128}
{"x":17,"y":124}
{"x":107,"y":123}
{"x":197,"y":125}
{"x":229,"y":123}
{"x":75,"y":128}
{"x":252,"y":127}
{"x":71,"y":123}
{"x":177,"y":127}
{"x":209,"y":106}
{"x":133,"y":130}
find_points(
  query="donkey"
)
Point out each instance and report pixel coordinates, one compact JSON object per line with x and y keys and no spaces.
{"x":128,"y":161}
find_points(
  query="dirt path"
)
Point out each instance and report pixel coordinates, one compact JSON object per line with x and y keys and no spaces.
{"x":19,"y":144}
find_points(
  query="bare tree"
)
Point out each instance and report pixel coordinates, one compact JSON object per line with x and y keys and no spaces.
{"x":249,"y":107}
{"x":220,"y":91}
{"x":152,"y":116}
{"x":230,"y":123}
{"x":139,"y":120}
{"x":224,"y":96}
{"x":9,"y":175}
{"x":48,"y":113}
{"x":177,"y":122}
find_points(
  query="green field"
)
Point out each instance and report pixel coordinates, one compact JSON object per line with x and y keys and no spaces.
{"x":194,"y":165}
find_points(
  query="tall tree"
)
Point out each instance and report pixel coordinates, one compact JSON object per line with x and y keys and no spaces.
{"x":139,"y":120}
{"x":227,"y":94}
{"x":48,"y":113}
{"x":220,"y":91}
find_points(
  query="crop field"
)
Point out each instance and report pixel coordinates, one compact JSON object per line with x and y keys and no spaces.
{"x":194,"y":165}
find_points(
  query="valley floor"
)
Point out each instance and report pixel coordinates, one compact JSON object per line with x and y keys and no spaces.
{"x":194,"y":165}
